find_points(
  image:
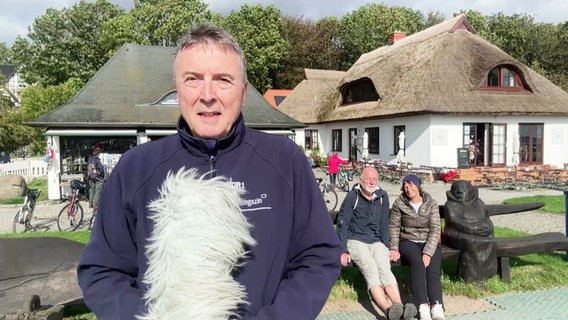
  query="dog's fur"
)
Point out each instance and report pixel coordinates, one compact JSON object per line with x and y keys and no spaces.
{"x":200,"y":237}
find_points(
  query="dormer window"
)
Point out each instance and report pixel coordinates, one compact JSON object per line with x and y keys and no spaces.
{"x":503,"y":78}
{"x":170,"y":99}
{"x":362,"y":90}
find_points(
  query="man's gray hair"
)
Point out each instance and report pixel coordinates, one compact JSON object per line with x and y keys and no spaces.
{"x":206,"y":34}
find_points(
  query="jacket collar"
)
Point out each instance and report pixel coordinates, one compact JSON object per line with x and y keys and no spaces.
{"x":206,"y":147}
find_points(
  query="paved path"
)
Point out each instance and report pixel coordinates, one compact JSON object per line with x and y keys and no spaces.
{"x":45,"y":215}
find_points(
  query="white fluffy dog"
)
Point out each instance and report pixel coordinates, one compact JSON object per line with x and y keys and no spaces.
{"x":200,"y":236}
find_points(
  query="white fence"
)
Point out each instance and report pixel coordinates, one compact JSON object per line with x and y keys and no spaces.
{"x":29,"y":168}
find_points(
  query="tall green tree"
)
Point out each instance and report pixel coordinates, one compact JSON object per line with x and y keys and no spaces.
{"x":163,"y":22}
{"x":309,"y":45}
{"x":368,"y":28}
{"x":35,"y":101}
{"x":66,"y":43}
{"x":258,"y":31}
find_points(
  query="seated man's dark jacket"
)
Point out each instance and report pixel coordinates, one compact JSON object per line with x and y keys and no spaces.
{"x":363,"y":220}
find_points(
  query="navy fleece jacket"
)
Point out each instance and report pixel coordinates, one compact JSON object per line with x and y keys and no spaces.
{"x":295,"y":262}
{"x":363,"y":220}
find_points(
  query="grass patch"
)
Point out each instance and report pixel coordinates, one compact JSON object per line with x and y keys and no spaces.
{"x":81,"y":236}
{"x":528,"y":273}
{"x":553,"y":204}
{"x":38,"y":183}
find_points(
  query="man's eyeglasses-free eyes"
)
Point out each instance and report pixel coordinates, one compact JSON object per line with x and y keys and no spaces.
{"x":218,"y":83}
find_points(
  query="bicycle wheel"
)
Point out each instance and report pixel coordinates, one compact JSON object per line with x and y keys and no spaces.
{"x":330,"y":198}
{"x":71,"y":221}
{"x":19,"y":227}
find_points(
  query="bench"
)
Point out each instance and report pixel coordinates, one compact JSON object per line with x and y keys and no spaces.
{"x":520,"y":246}
{"x":509,"y":246}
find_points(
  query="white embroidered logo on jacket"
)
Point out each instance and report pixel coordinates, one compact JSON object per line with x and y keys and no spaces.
{"x":200,"y":236}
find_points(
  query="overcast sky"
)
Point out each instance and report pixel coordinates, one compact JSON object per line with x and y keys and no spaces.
{"x":17,"y":15}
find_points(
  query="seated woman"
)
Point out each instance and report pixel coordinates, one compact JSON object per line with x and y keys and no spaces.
{"x":414,"y":232}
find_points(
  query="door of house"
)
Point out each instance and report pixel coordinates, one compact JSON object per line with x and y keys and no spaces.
{"x":352,"y":144}
{"x":474,"y":141}
{"x":497,"y":144}
{"x":531,"y":147}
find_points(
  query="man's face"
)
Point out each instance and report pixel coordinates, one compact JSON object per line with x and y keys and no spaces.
{"x":211,"y":89}
{"x":369,"y":180}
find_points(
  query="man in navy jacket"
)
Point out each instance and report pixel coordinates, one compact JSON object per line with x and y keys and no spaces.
{"x":363,"y":229}
{"x":291,"y":269}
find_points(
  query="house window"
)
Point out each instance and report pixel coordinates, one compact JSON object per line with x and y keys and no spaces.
{"x":170,"y":99}
{"x":530,"y":146}
{"x":362,"y":90}
{"x":279,"y":99}
{"x":397,"y":131}
{"x":311,"y":140}
{"x":503,"y":78}
{"x":373,"y":134}
{"x":336,"y":137}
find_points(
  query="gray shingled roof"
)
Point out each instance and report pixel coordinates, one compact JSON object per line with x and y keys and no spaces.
{"x":123,"y":92}
{"x":436,"y":71}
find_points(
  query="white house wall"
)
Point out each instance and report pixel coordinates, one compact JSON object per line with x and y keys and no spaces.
{"x":433,"y":140}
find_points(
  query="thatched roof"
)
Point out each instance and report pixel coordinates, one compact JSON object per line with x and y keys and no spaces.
{"x":309,"y":98}
{"x":124,"y":92}
{"x":438,"y":70}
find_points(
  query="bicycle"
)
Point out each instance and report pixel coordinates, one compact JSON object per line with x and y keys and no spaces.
{"x":71,"y":215}
{"x":343,"y":178}
{"x":23,"y":219}
{"x":329,"y":195}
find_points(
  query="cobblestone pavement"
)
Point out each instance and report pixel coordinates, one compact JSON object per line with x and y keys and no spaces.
{"x":45,"y":215}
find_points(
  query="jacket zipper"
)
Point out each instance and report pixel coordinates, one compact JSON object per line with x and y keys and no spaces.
{"x":212,"y":160}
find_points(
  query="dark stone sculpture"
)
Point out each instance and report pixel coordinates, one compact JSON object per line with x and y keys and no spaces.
{"x":469,"y":229}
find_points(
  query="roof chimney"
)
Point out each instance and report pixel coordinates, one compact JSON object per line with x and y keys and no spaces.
{"x":395,"y":36}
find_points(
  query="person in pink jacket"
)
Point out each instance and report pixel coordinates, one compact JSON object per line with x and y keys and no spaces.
{"x":333,"y":163}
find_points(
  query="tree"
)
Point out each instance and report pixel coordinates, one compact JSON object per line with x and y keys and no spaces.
{"x":258,"y":31}
{"x":433,"y":18}
{"x":368,"y":28}
{"x":310,"y":45}
{"x":164,"y":22}
{"x":66,"y":43}
{"x":35,"y":101}
{"x":5,"y":54}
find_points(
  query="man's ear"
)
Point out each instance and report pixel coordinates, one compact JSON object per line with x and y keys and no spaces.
{"x":245,"y":88}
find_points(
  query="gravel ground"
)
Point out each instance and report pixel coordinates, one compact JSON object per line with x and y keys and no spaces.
{"x":46,"y":212}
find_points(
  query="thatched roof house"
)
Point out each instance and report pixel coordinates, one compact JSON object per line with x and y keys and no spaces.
{"x":438,"y":81}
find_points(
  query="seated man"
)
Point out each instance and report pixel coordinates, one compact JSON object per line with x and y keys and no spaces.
{"x":469,"y":228}
{"x":363,"y":229}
